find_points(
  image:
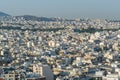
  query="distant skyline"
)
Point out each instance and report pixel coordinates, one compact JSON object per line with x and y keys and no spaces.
{"x":105,"y":9}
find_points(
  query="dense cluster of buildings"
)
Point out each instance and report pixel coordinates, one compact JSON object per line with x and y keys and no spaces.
{"x":59,"y":55}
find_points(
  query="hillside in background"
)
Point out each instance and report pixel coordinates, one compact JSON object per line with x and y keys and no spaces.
{"x":2,"y":14}
{"x":35,"y":18}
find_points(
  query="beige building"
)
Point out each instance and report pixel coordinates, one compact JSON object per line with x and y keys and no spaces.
{"x":43,"y":70}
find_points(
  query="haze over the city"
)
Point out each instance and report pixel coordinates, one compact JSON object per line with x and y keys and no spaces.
{"x":108,"y":9}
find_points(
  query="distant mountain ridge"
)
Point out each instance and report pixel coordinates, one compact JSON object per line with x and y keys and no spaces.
{"x":35,"y":18}
{"x":2,"y":14}
{"x":32,"y":17}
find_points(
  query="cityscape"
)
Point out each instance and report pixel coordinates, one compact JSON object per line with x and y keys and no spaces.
{"x":59,"y":49}
{"x":83,"y":43}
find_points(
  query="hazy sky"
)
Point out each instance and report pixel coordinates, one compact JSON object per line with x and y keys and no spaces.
{"x":63,"y":8}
